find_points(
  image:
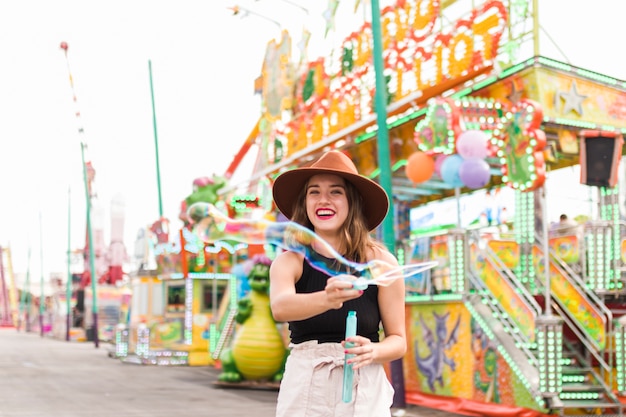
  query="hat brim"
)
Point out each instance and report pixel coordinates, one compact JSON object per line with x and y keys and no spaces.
{"x":288,"y":185}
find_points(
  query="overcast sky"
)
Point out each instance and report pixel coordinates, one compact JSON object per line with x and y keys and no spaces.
{"x":204,"y":62}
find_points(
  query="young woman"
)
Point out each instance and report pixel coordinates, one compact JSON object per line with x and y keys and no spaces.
{"x":343,"y":207}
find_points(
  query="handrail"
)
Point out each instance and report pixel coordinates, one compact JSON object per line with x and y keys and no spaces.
{"x":530,"y":305}
{"x":226,"y":333}
{"x":575,"y":277}
{"x":594,"y":301}
{"x":512,"y":280}
{"x":596,"y":304}
{"x":521,"y":340}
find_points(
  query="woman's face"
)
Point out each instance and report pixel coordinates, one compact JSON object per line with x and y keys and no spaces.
{"x":326,"y":202}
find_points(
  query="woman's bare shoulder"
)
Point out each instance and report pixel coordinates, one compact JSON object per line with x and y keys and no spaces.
{"x":287,"y":265}
{"x":381,"y":253}
{"x":288,"y":258}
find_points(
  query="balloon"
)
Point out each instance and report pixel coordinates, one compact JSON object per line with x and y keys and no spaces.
{"x":472,"y":144}
{"x":438,"y":161}
{"x":450,"y":170}
{"x":419,"y":167}
{"x":474,"y":173}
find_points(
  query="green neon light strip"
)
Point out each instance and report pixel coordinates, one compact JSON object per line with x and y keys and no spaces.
{"x":435,"y":297}
{"x":462,"y":93}
{"x":365,"y":136}
{"x":513,"y":70}
{"x":398,"y":165}
{"x":554,"y":64}
{"x":485,"y":83}
{"x":506,"y":73}
{"x":369,"y":135}
{"x":512,"y":364}
{"x":394,"y":168}
{"x":583,"y":72}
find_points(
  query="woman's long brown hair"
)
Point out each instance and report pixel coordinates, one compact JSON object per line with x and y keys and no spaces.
{"x":355,"y":239}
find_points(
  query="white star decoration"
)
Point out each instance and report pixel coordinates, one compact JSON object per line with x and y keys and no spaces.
{"x":573,"y":100}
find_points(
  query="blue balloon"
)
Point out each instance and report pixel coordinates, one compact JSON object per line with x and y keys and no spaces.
{"x":450,"y":170}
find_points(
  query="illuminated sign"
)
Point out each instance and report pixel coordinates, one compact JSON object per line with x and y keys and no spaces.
{"x":419,"y":52}
{"x":514,"y":131}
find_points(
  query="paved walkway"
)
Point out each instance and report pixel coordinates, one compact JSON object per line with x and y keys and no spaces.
{"x":54,"y":378}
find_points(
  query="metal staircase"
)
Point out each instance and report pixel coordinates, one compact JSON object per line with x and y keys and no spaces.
{"x":586,"y":366}
{"x":226,"y":333}
{"x":587,"y":363}
{"x":583,"y":390}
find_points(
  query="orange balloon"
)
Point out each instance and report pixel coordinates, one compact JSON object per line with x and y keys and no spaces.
{"x":419,"y":167}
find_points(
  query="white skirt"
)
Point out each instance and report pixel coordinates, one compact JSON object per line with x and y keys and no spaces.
{"x":313,"y":382}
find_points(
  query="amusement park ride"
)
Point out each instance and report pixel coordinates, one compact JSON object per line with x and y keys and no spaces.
{"x":519,"y":323}
{"x":102,"y":265}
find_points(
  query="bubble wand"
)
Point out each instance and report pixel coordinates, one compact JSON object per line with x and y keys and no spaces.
{"x":211,"y":225}
{"x":348,"y":372}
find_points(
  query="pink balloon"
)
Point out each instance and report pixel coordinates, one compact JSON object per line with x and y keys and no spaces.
{"x":472,"y":144}
{"x":438,"y":162}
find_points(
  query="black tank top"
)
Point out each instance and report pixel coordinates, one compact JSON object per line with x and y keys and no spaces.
{"x":330,"y":326}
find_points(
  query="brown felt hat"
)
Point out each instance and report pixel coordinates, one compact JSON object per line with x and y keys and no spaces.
{"x":288,"y":184}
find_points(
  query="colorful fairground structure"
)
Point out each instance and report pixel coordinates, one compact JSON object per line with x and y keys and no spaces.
{"x":189,"y":297}
{"x":63,"y":306}
{"x":521,"y":323}
{"x":24,"y":305}
{"x":68,"y":302}
{"x":9,"y":294}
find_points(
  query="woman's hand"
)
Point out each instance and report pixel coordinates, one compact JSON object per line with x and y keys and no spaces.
{"x":362,"y":348}
{"x":340,"y":289}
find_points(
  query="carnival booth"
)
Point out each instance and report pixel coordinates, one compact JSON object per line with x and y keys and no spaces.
{"x":176,"y":306}
{"x":189,"y":297}
{"x":491,"y":330}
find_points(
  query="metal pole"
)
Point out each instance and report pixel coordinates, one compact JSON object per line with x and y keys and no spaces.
{"x":42,"y":299}
{"x":156,"y":142}
{"x":457,"y":196}
{"x":536,"y":27}
{"x":546,"y":252}
{"x":92,"y":263}
{"x":23,"y":299}
{"x":384,"y":163}
{"x":29,"y":295}
{"x":68,"y":287}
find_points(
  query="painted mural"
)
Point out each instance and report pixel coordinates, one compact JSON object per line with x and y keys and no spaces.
{"x":450,"y":355}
